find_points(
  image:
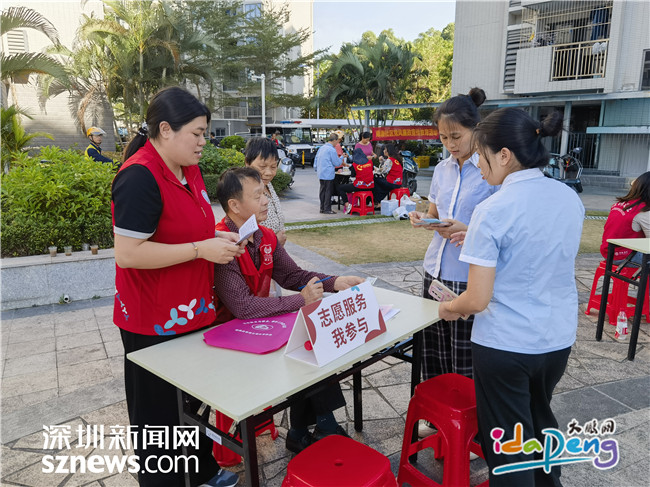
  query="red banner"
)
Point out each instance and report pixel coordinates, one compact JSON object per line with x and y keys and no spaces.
{"x":408,"y":132}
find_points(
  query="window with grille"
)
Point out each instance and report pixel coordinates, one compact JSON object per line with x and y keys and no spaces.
{"x":645,"y":74}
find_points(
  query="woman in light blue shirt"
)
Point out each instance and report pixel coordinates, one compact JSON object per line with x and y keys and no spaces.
{"x":521,"y":247}
{"x":456,"y":189}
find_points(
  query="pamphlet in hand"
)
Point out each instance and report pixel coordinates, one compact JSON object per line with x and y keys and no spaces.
{"x":247,"y":229}
{"x":433,"y":221}
{"x":439,"y":292}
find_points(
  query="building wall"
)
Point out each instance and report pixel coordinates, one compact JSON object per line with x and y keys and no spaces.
{"x":630,"y":36}
{"x":478,"y":47}
{"x":55,"y":116}
{"x":479,"y":60}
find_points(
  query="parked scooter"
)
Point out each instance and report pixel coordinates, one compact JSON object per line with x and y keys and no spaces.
{"x":409,"y":178}
{"x":286,"y":165}
{"x":566,"y":168}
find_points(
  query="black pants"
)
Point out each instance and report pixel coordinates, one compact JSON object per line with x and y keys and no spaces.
{"x":516,"y":388}
{"x":382,"y":188}
{"x":152,"y":401}
{"x":304,"y":412}
{"x":344,"y":189}
{"x":325,"y":194}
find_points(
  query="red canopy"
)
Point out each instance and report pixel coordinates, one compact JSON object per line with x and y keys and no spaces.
{"x":405,"y":132}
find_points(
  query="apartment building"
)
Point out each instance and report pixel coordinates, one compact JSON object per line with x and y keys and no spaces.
{"x":589,"y":59}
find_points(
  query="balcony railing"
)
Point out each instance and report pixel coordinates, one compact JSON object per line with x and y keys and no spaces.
{"x":233,"y":112}
{"x":580,"y":60}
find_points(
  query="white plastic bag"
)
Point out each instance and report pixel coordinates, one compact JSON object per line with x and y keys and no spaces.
{"x":400,"y":213}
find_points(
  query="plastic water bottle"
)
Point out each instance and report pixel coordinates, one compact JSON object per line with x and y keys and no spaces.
{"x":621,"y":326}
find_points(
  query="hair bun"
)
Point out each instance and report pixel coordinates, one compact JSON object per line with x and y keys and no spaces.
{"x":551,"y":124}
{"x":477,"y":95}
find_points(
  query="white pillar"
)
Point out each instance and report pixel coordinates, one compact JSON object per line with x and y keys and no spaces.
{"x":564,"y":142}
{"x":263,"y":77}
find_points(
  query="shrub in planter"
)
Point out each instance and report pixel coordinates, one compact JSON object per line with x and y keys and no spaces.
{"x":214,"y":162}
{"x":64,"y":200}
{"x":280,"y":182}
{"x":233,"y":142}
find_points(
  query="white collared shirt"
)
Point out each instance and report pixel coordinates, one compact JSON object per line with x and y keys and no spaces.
{"x":530,"y":232}
{"x":455,"y":193}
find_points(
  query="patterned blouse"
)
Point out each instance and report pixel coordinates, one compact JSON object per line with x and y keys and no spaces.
{"x":275,"y":217}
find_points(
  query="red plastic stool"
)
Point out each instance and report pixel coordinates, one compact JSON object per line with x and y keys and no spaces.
{"x":618,"y":299}
{"x":362,"y":203}
{"x":398,"y":193}
{"x":226,"y":457}
{"x":449,"y":403}
{"x":337,"y":461}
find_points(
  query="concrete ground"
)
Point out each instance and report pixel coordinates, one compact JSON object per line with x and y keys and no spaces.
{"x":63,"y":365}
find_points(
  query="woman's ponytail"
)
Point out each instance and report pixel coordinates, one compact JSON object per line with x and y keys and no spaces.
{"x":551,"y":125}
{"x":137,"y":141}
{"x":461,"y":109}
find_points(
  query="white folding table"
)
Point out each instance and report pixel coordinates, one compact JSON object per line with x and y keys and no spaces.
{"x":241,"y":385}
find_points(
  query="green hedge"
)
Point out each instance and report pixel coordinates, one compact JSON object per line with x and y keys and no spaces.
{"x":281,"y":182}
{"x":61,"y":198}
{"x":57,"y":198}
{"x":236,"y":142}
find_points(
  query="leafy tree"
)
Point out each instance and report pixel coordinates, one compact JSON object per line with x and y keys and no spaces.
{"x":436,"y":55}
{"x":26,"y":63}
{"x":132,"y":36}
{"x":270,"y":50}
{"x":370,"y":73}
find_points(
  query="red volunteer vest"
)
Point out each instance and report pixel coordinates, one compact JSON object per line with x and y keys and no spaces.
{"x":365,"y":178}
{"x":394,"y":176}
{"x":619,"y":225}
{"x":179,"y":298}
{"x":258,"y":280}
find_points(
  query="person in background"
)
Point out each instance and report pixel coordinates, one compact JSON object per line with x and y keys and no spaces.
{"x":626,"y":217}
{"x":94,"y":151}
{"x":262,"y":155}
{"x":366,"y":146}
{"x":340,"y":151}
{"x":243,"y":289}
{"x":213,"y":139}
{"x":276,"y":137}
{"x":521,"y":287}
{"x":165,"y":253}
{"x":364,"y":180}
{"x":325,"y":163}
{"x":392,"y":170}
{"x":456,"y":188}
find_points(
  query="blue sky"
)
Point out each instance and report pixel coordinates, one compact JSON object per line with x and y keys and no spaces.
{"x":338,"y":22}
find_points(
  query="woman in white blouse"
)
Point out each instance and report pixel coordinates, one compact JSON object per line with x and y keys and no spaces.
{"x":262,"y":154}
{"x":521,"y":246}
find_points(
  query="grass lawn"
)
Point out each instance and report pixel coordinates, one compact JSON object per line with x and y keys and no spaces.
{"x":396,"y":241}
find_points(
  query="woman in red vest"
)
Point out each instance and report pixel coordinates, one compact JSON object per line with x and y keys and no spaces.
{"x":364,"y":177}
{"x":619,"y":223}
{"x":165,"y":250}
{"x":393,"y":170}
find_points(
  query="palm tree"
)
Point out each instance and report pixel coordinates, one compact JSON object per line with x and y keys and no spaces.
{"x":130,"y":34}
{"x":26,"y":63}
{"x":372,"y":72}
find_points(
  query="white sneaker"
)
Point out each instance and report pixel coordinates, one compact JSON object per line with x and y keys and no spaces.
{"x":426,"y":429}
{"x":348,"y":208}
